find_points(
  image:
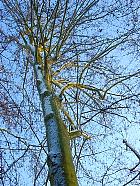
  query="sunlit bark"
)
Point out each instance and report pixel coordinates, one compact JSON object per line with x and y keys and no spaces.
{"x":60,"y":163}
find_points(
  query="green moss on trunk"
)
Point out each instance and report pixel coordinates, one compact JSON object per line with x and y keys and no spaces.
{"x":67,"y":162}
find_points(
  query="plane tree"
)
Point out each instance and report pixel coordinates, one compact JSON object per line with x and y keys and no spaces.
{"x":69,"y":91}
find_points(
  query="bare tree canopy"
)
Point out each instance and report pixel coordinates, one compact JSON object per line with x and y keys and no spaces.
{"x":69,"y":92}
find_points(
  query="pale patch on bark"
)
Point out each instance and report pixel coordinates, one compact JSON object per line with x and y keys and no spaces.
{"x":47,"y":106}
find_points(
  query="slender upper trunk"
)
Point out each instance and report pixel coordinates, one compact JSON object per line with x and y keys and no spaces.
{"x":60,"y":163}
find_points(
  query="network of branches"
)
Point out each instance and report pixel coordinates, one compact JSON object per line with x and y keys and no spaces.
{"x":88,"y":52}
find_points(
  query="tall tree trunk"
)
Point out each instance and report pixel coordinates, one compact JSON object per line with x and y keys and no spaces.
{"x":60,"y":163}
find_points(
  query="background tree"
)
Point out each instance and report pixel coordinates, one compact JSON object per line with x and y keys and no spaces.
{"x":77,"y":59}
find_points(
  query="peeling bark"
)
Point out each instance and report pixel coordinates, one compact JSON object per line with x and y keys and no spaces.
{"x":60,"y":163}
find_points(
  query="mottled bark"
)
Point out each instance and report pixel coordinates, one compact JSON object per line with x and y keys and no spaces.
{"x":60,"y":163}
